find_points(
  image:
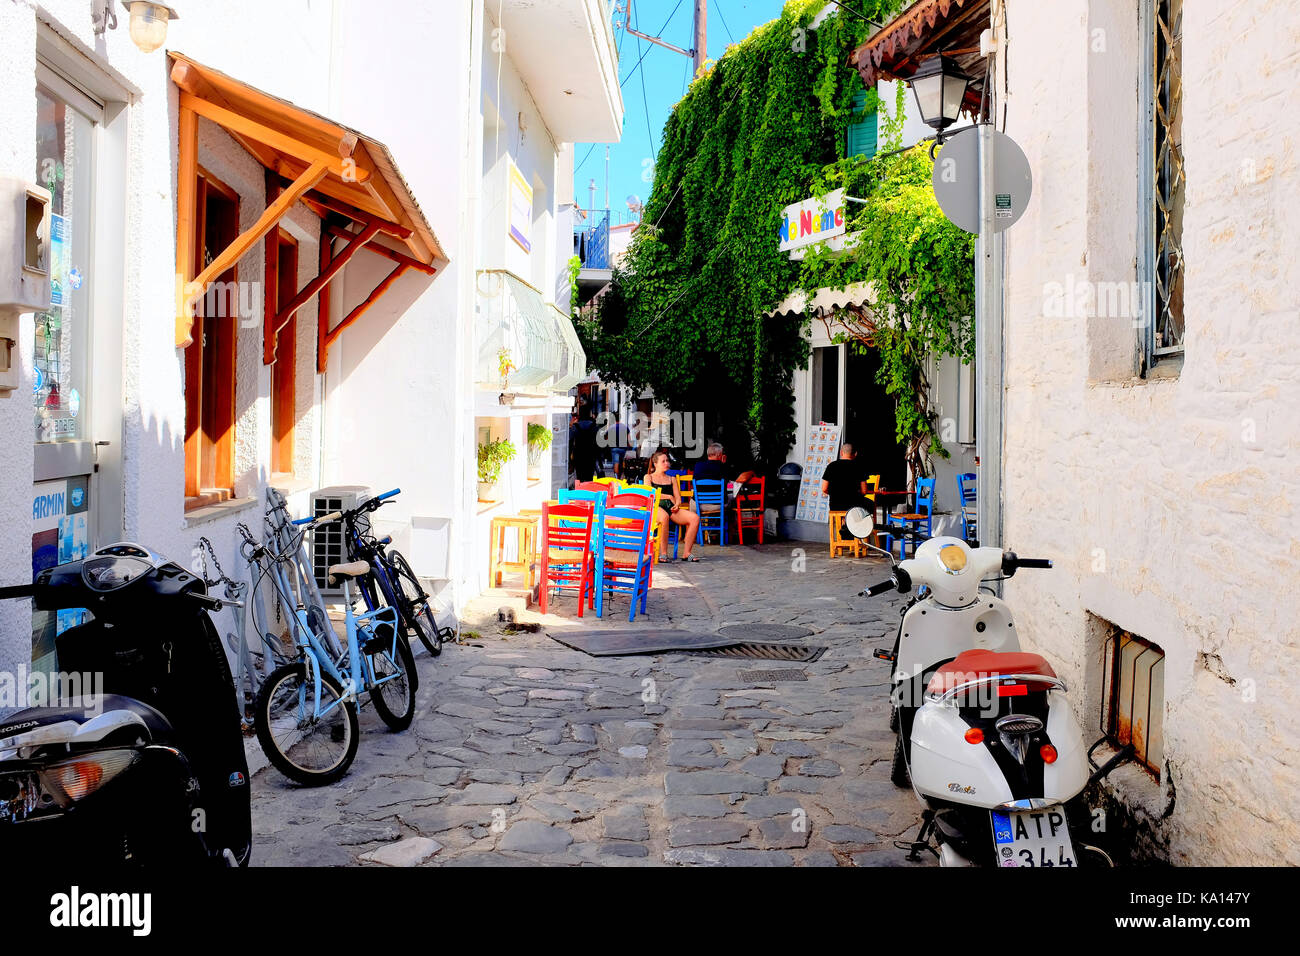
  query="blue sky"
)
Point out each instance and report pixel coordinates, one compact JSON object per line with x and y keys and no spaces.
{"x":651,"y":91}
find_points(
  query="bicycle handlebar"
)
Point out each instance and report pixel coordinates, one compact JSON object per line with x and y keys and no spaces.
{"x":387,"y":494}
{"x":319,"y":519}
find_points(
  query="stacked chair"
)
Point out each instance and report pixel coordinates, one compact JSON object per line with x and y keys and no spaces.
{"x":567,"y":555}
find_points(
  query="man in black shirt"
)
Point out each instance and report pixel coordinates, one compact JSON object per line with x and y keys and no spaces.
{"x":845,"y":481}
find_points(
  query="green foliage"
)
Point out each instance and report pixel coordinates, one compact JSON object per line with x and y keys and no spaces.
{"x":492,"y":456}
{"x":765,"y":127}
{"x":539,"y":436}
{"x":575,"y":266}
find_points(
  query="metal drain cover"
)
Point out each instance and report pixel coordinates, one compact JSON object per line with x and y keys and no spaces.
{"x":772,"y":676}
{"x":799,"y":653}
{"x":764,"y":632}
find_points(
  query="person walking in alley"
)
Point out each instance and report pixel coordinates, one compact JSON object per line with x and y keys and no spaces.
{"x":582,"y":440}
{"x":845,"y":481}
{"x":670,"y":507}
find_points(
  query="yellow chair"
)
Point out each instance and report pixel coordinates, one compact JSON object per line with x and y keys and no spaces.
{"x":873,"y":485}
{"x":839,"y":543}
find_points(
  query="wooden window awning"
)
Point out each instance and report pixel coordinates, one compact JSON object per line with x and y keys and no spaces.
{"x":348,"y":179}
{"x":927,"y":28}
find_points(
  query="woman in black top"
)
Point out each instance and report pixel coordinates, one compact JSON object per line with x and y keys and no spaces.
{"x":670,"y":507}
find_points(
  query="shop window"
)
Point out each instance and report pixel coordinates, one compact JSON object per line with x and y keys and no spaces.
{"x":1133,"y":702}
{"x":210,"y":359}
{"x":282,"y":286}
{"x":1163,"y":180}
{"x":826,"y":385}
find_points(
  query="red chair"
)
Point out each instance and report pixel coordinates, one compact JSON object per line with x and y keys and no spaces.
{"x":749,"y":508}
{"x":643,"y":502}
{"x":605,"y":489}
{"x":566,"y":551}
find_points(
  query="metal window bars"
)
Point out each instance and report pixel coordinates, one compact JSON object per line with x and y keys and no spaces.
{"x":1170,"y":179}
{"x":1133,"y":701}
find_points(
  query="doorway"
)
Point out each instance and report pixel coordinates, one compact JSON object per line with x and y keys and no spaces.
{"x":869,"y":420}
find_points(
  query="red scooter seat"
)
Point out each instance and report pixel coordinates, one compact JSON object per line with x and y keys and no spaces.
{"x":975,"y":664}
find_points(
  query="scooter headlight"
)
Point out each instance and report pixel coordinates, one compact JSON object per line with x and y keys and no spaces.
{"x":953,"y":557}
{"x":71,"y":780}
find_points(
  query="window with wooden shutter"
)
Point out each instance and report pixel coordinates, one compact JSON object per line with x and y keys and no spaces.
{"x":862,"y":135}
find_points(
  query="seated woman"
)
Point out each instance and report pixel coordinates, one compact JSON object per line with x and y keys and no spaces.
{"x":670,"y":507}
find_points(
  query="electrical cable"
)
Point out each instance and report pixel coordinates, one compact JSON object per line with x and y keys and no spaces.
{"x":717,"y":5}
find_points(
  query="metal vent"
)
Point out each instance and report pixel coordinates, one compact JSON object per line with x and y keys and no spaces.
{"x":799,"y":653}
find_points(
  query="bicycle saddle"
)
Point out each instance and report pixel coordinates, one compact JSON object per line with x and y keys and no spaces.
{"x":353,"y":569}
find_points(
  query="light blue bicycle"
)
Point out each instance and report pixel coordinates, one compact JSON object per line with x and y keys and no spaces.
{"x":306,"y":711}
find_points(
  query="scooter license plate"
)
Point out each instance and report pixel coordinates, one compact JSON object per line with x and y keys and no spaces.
{"x":1032,"y":838}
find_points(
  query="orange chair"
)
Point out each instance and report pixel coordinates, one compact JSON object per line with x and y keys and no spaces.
{"x":750,"y":500}
{"x":566,"y":551}
{"x":607,"y":490}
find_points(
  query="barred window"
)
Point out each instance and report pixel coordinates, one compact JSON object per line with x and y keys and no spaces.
{"x":1162,"y":179}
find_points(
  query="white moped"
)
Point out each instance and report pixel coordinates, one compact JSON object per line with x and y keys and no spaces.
{"x":985,"y":734}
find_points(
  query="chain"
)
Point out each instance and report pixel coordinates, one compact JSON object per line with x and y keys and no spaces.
{"x":206,"y":553}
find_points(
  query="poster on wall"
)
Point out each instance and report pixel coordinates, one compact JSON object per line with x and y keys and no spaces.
{"x":822,"y":448}
{"x":520,"y":208}
{"x":60,"y":533}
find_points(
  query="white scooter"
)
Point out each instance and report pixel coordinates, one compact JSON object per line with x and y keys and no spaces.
{"x":985,"y":734}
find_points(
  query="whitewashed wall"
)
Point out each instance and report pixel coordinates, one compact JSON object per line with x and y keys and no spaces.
{"x":1169,"y":503}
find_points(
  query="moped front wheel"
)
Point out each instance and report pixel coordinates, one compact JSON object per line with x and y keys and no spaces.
{"x":898,"y":772}
{"x":311,"y":744}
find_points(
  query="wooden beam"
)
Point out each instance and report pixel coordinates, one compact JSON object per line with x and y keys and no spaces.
{"x":291,"y":168}
{"x":384,"y":251}
{"x":187,"y":184}
{"x":271,"y":285}
{"x":361,"y":309}
{"x":346,"y":168}
{"x":311,"y":288}
{"x":323,"y":306}
{"x":245,"y":241}
{"x":330,"y":204}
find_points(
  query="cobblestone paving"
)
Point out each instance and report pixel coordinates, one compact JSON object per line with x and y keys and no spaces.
{"x":525,"y":752}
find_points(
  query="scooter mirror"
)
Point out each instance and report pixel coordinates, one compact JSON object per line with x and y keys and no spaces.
{"x":860,"y":522}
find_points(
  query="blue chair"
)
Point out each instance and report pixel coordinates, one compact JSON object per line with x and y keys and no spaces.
{"x":622,"y":557}
{"x":966,"y":499}
{"x":597,"y":498}
{"x":711,"y":504}
{"x":918,"y":520}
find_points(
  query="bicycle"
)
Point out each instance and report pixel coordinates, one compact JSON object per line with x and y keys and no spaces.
{"x":306,"y":712}
{"x":391,"y":576}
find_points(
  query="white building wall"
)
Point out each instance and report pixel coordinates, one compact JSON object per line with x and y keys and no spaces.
{"x":1167,"y":503}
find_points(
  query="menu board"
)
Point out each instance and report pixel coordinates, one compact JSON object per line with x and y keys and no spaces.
{"x":823,"y":447}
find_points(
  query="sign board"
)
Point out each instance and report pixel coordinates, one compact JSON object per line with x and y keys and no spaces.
{"x":822,"y":448}
{"x":813,"y":220}
{"x":956,"y":180}
{"x":520,"y":207}
{"x":59,"y":534}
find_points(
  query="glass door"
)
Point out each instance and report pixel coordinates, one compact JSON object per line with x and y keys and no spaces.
{"x":63,"y":492}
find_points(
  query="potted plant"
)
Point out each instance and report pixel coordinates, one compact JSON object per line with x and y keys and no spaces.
{"x":505,"y":365}
{"x":491,"y":456}
{"x":539,"y":439}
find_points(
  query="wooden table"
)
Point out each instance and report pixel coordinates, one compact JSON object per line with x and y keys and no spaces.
{"x":525,"y":527}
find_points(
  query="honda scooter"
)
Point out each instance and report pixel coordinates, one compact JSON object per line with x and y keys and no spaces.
{"x":986,"y":736}
{"x":146,"y":766}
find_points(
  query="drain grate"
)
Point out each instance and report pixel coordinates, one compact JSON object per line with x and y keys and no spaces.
{"x":770,"y":677}
{"x":799,"y":653}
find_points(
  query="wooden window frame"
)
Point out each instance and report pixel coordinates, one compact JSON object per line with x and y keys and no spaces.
{"x":214,"y":463}
{"x":280,"y":289}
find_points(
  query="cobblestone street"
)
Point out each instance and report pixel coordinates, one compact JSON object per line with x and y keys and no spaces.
{"x":526,"y":752}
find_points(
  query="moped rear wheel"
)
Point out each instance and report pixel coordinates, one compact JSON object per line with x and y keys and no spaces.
{"x":305,"y":744}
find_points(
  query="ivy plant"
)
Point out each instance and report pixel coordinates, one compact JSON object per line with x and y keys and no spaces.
{"x":764,"y":127}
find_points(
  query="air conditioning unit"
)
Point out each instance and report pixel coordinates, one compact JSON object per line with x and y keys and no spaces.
{"x":327,"y":546}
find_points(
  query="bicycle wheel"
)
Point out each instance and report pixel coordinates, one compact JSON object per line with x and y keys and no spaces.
{"x":416,"y":612}
{"x":310,"y":750}
{"x":394,"y":699}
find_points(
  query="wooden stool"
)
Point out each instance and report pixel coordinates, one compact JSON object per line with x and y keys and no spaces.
{"x":525,"y":528}
{"x":839,"y":543}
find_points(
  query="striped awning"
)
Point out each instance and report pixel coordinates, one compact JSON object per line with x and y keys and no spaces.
{"x":537,"y":339}
{"x":826,"y":301}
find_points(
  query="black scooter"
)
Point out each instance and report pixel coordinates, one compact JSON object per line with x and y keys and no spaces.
{"x":150,"y":770}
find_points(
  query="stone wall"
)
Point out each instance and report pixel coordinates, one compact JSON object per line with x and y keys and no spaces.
{"x":1167,"y":502}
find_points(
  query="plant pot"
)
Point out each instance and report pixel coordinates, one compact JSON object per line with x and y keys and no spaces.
{"x":487,"y":491}
{"x":534,"y":462}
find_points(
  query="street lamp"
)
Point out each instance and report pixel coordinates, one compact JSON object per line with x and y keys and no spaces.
{"x":149,"y":23}
{"x":939,"y":86}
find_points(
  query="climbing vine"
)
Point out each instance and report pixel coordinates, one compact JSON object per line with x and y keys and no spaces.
{"x":762,"y":128}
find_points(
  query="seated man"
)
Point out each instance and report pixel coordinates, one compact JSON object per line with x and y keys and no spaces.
{"x":845,"y":481}
{"x":713,"y":468}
